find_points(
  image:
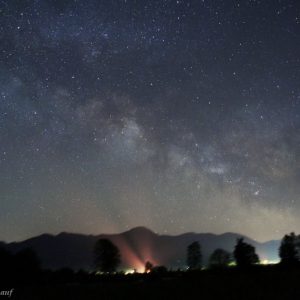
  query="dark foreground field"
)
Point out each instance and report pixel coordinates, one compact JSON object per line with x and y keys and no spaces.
{"x":257,"y":283}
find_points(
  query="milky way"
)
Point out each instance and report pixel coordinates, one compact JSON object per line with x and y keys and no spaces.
{"x":176,"y":115}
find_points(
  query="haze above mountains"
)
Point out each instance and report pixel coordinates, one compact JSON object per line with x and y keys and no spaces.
{"x":137,"y":246}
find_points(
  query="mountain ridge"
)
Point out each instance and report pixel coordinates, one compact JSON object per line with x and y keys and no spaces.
{"x":137,"y":245}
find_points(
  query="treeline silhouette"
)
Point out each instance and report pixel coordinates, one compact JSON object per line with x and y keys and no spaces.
{"x":25,"y":267}
{"x":108,"y":257}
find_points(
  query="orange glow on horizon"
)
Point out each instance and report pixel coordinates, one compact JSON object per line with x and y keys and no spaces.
{"x":131,"y":258}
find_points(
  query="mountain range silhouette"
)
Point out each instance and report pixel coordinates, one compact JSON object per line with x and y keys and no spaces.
{"x":137,"y":246}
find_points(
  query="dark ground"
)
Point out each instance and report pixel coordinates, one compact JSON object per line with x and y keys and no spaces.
{"x":258,"y":283}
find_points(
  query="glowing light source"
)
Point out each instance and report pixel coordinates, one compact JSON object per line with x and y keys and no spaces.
{"x":130,"y":271}
{"x":268,"y":262}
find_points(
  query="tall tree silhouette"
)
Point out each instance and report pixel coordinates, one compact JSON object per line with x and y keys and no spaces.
{"x":107,"y":256}
{"x":220,"y":258}
{"x":148,"y":267}
{"x":244,"y":254}
{"x":194,"y":256}
{"x":288,"y":250}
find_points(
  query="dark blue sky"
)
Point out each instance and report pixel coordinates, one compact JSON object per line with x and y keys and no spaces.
{"x":177,"y":115}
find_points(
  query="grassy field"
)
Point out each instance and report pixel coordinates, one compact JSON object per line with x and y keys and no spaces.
{"x":256,"y":283}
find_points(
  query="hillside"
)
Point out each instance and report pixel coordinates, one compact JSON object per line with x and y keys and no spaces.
{"x":137,"y":246}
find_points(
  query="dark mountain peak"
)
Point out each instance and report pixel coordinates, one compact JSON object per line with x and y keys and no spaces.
{"x":65,"y":234}
{"x":233,"y":235}
{"x":41,"y":237}
{"x":140,"y":230}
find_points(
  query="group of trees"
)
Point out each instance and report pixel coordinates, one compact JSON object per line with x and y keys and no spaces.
{"x":108,"y":256}
{"x":219,"y":258}
{"x":243,"y":254}
{"x":289,"y":250}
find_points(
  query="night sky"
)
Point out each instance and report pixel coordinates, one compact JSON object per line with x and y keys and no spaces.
{"x":176,"y":115}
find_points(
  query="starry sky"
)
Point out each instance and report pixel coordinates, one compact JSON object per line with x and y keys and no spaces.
{"x":176,"y":115}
